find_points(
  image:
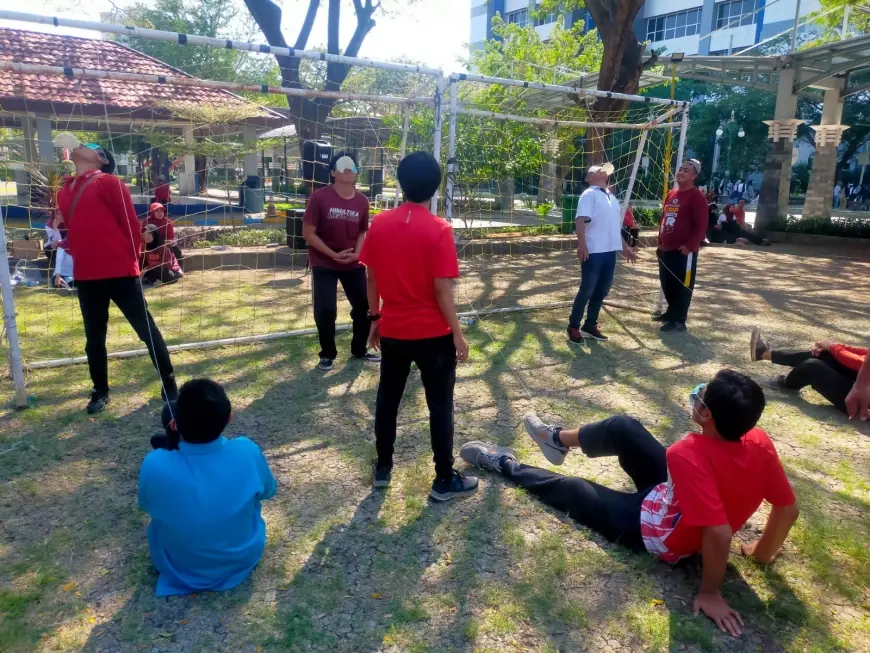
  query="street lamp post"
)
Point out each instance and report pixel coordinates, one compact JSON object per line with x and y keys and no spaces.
{"x":720,"y":131}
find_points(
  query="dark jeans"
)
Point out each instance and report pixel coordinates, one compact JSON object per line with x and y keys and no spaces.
{"x":126,"y":293}
{"x":614,"y":514}
{"x":596,"y":278}
{"x":731,"y":231}
{"x":824,"y":374}
{"x":162,"y":274}
{"x":436,"y":360}
{"x":677,"y":273}
{"x":324,"y":287}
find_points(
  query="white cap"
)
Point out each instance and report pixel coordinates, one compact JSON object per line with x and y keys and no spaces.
{"x":607,"y":168}
{"x":345,"y":163}
{"x":66,"y":141}
{"x":695,"y":164}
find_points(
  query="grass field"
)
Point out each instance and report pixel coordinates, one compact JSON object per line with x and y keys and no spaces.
{"x":348,"y":569}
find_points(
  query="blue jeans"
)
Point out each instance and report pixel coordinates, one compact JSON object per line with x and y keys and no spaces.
{"x":596,"y":277}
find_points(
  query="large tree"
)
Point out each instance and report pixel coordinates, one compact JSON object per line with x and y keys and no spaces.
{"x":309,"y":114}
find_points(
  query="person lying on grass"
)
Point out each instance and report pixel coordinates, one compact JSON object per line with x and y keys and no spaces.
{"x":828,"y":367}
{"x":203,"y":494}
{"x":691,"y":497}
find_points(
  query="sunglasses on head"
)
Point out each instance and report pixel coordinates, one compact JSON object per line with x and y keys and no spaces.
{"x":101,"y":153}
{"x":695,"y":394}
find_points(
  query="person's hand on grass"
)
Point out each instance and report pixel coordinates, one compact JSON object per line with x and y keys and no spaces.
{"x":748,"y":550}
{"x":374,"y":337}
{"x":461,"y":345}
{"x":719,"y":612}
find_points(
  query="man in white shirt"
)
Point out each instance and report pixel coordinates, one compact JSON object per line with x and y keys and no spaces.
{"x":599,"y":221}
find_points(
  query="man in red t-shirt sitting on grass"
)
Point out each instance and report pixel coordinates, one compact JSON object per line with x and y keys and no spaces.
{"x":411,"y":263}
{"x":691,"y":497}
{"x":335,"y":225}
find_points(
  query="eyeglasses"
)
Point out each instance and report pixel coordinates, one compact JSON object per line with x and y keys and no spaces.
{"x":695,"y":394}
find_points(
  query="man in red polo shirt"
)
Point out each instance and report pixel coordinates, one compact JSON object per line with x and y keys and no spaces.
{"x":690,"y":498}
{"x":335,"y":225}
{"x":411,"y":263}
{"x":104,"y":241}
{"x":684,"y":225}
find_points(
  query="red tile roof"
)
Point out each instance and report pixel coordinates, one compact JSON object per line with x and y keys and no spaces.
{"x":25,"y":90}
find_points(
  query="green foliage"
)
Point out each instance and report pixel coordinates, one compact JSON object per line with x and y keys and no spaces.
{"x":213,"y":18}
{"x":245,"y":237}
{"x":647,"y":217}
{"x":800,"y":179}
{"x":846,"y":227}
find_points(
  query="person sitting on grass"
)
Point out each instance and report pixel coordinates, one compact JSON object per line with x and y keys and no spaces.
{"x":203,"y":493}
{"x":159,"y":263}
{"x":829,"y":367}
{"x":691,"y":497}
{"x":62,"y":277}
{"x":157,"y":216}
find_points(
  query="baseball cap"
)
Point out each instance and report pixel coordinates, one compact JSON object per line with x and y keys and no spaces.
{"x":694,"y":163}
{"x":607,"y":168}
{"x":345,"y":163}
{"x":104,"y":156}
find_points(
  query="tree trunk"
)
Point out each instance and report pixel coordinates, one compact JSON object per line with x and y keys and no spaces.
{"x":621,"y":67}
{"x":309,"y":114}
{"x":506,"y":194}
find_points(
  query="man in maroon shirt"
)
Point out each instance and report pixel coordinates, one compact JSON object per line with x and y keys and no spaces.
{"x":104,"y":241}
{"x":684,"y":224}
{"x":335,"y":225}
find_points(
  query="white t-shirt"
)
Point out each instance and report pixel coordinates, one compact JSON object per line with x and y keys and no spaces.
{"x":603,"y":231}
{"x":63,"y":264}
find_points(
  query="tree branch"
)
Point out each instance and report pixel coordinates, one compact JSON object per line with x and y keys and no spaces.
{"x":307,"y":24}
{"x":267,"y":15}
{"x":336,"y":74}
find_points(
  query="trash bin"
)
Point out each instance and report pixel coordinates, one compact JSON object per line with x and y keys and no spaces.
{"x":293,"y":221}
{"x":569,"y":213}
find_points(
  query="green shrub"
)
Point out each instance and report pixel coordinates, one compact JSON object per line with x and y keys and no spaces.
{"x":530,"y":230}
{"x":245,"y":237}
{"x":846,"y":227}
{"x":647,"y":217}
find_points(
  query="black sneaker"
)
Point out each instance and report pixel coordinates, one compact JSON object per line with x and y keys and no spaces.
{"x":163,"y":441}
{"x":594,"y":333}
{"x":675,"y":327}
{"x":486,"y":456}
{"x":757,"y":345}
{"x":381,"y":476}
{"x":369,"y":357}
{"x":458,"y":485}
{"x":325,"y":364}
{"x":776,"y":383}
{"x":575,"y":336}
{"x":98,"y":402}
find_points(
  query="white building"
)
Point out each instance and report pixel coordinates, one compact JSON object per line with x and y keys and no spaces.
{"x":690,"y":26}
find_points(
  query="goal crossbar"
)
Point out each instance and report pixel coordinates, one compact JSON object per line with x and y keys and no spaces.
{"x":224,"y":44}
{"x":576,"y":90}
{"x":554,"y":124}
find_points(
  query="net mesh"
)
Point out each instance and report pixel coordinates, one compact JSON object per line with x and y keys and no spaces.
{"x":238,"y":174}
{"x":521,"y":157}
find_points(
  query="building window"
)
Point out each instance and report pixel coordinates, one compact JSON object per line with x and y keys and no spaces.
{"x":674,"y":26}
{"x":736,"y":13}
{"x":520,"y":17}
{"x":546,"y":20}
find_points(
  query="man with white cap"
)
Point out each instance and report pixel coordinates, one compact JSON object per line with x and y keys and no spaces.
{"x":599,"y":239}
{"x":684,"y":224}
{"x":335,"y":226}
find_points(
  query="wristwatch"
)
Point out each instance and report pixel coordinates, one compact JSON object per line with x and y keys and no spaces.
{"x":373,"y":318}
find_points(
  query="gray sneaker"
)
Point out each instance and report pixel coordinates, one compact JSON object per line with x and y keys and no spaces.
{"x":543,"y":434}
{"x":486,"y":456}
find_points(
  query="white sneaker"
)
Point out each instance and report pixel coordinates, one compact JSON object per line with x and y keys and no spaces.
{"x":543,"y":434}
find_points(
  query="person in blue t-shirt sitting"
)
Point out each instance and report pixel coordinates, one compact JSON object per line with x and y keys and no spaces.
{"x":203,"y":494}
